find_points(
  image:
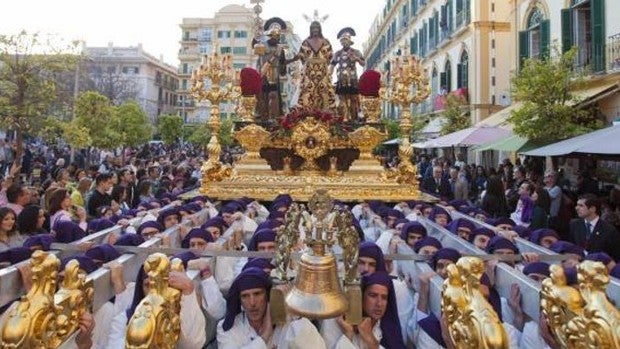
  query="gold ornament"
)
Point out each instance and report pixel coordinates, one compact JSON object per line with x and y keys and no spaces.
{"x":472,"y":322}
{"x":371,"y":108}
{"x":252,"y":137}
{"x":366,"y":138}
{"x":310,"y":140}
{"x":246,"y":107}
{"x":156,"y":323}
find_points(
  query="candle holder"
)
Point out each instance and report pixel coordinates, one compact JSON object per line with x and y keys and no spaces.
{"x":217,"y":69}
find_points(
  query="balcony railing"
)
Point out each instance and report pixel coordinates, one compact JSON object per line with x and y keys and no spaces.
{"x":613,"y":52}
{"x":590,"y":58}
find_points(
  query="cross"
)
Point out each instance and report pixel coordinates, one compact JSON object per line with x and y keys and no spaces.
{"x":315,"y":17}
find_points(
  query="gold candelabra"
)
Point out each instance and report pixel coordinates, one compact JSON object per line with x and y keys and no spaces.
{"x":409,"y":85}
{"x":216,"y":69}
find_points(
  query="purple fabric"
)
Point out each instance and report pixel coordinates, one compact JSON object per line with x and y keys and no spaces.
{"x":269,"y":224}
{"x":99,"y":224}
{"x":501,"y":220}
{"x":247,"y":279}
{"x":15,"y":255}
{"x":432,"y":327}
{"x":445,"y":253}
{"x":260,"y":263}
{"x":196,"y":233}
{"x":259,"y":236}
{"x":401,"y":221}
{"x":494,"y":298}
{"x":200,"y":198}
{"x":563,"y":247}
{"x":538,"y":234}
{"x":571,"y":276}
{"x":371,"y":250}
{"x":536,"y":268}
{"x":481,"y":231}
{"x":394,"y":213}
{"x":375,"y":205}
{"x":427,"y":241}
{"x":86,"y":263}
{"x":104,"y":253}
{"x":138,"y":292}
{"x":413,"y":203}
{"x":358,"y":228}
{"x":615,"y":271}
{"x":68,"y":231}
{"x":412,"y":227}
{"x":129,"y":240}
{"x":390,"y":324}
{"x":481,"y":212}
{"x":232,"y":207}
{"x":43,"y":240}
{"x":150,"y":224}
{"x":528,"y":209}
{"x":185,"y":257}
{"x":191,"y":207}
{"x":217,"y":222}
{"x":500,"y":242}
{"x":599,"y":257}
{"x":276,"y":215}
{"x":466,"y":210}
{"x":458,"y":203}
{"x":460,"y":222}
{"x":277,"y":205}
{"x":161,"y":218}
{"x":439,"y":211}
{"x":524,"y":232}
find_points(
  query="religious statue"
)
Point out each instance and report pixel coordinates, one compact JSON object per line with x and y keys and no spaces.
{"x":271,"y":65}
{"x":349,"y":241}
{"x":345,"y":61}
{"x":316,"y":54}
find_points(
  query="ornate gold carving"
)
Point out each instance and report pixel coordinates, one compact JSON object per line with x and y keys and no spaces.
{"x":252,"y":137}
{"x":246,"y":107}
{"x":310,"y":140}
{"x":585,"y":318}
{"x":31,"y":321}
{"x":371,"y":107}
{"x":156,"y":322}
{"x":366,"y":138}
{"x":349,"y":241}
{"x":472,"y":322}
{"x":42,"y":319}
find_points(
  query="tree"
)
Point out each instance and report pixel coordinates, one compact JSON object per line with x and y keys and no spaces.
{"x":28,"y":67}
{"x":200,"y":135}
{"x":456,"y":118}
{"x":392,"y":127}
{"x":94,"y":113}
{"x":545,"y":89}
{"x":170,"y":128}
{"x":106,"y":79}
{"x":133,"y":124}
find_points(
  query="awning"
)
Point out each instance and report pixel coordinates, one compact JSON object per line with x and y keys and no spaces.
{"x":601,"y":142}
{"x":511,"y":143}
{"x":470,"y":136}
{"x":393,"y":141}
{"x":500,"y":118}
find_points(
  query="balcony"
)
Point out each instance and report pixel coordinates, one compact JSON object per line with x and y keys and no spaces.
{"x":462,"y":18}
{"x":591,"y":59}
{"x":613,"y":53}
{"x":189,"y":39}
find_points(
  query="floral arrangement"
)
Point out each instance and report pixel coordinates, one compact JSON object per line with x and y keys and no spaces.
{"x":251,"y":82}
{"x":370,"y":83}
{"x":335,"y":123}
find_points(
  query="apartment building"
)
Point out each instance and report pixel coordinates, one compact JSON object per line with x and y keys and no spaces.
{"x":126,"y":73}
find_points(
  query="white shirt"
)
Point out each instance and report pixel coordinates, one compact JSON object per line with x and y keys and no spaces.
{"x":335,"y":339}
{"x":214,"y":302}
{"x":531,"y":338}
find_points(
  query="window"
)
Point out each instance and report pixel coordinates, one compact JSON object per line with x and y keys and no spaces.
{"x":238,"y":66}
{"x":205,"y":48}
{"x":583,"y":25}
{"x":434,"y":82}
{"x":534,"y":41}
{"x":242,"y":50}
{"x":184,"y":84}
{"x":446,"y":78}
{"x":111,"y":70}
{"x":462,"y":71}
{"x":206,"y":34}
{"x":186,"y":35}
{"x":241,"y":34}
{"x":184,"y":70}
{"x":225,"y":49}
{"x":130,"y":70}
{"x":462,"y":13}
{"x":223,"y":34}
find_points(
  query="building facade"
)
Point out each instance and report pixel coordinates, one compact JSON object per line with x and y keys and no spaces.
{"x":464,"y":46}
{"x":126,"y":73}
{"x":230,"y":31}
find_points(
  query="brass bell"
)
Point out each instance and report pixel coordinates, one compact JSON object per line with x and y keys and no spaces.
{"x":317,"y":293}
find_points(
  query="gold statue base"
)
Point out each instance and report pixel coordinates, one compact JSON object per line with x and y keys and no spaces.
{"x":364,"y":180}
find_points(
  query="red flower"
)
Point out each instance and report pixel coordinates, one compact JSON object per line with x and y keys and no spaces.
{"x":370,"y":83}
{"x":251,"y":83}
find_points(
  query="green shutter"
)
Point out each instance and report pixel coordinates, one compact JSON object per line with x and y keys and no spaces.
{"x":459,"y":75}
{"x":442,"y":81}
{"x":544,"y":38}
{"x":524,"y":46}
{"x":450,"y":16}
{"x":597,"y":11}
{"x":567,"y":29}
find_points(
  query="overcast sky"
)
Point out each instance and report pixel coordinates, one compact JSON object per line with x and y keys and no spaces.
{"x":156,"y":26}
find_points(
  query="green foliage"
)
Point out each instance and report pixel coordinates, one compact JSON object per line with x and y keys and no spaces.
{"x":548,"y":113}
{"x":29,"y":64}
{"x":200,"y":135}
{"x":134,"y":124}
{"x":392,"y":127}
{"x":170,"y":128}
{"x":226,"y":132}
{"x":53,"y":129}
{"x":456,"y":118}
{"x":94,"y":113}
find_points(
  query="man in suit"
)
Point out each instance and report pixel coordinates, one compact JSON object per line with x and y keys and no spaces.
{"x":592,"y":232}
{"x":438,"y":185}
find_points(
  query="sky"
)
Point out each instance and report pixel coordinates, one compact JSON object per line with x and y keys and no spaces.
{"x":156,"y":27}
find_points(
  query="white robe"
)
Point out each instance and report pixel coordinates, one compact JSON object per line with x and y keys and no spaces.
{"x":531,"y":338}
{"x":335,"y":339}
{"x":295,"y":334}
{"x":214,"y":302}
{"x":193,"y":326}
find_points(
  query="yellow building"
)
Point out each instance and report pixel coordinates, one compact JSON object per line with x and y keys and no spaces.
{"x":465,"y":46}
